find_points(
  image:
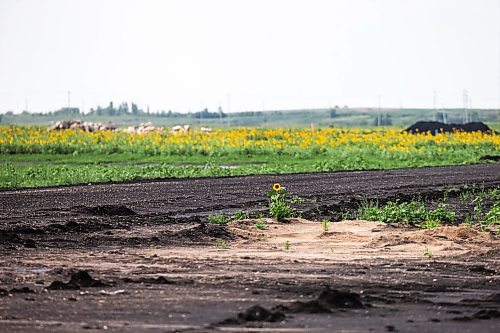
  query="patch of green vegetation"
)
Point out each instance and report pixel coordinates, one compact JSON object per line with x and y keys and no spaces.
{"x":493,"y":216}
{"x":479,"y":197}
{"x":240,"y":216}
{"x":413,"y":213}
{"x":260,"y":225}
{"x":427,"y":252}
{"x":439,"y":214}
{"x":430,"y":224}
{"x":218,"y":219}
{"x":325,"y":224}
{"x":222,"y":244}
{"x":286,"y":245}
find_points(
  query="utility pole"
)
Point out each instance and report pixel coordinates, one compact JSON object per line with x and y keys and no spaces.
{"x":444,"y":114}
{"x":228,"y":110}
{"x":378,"y":112}
{"x":465,"y":100}
{"x":220,"y":113}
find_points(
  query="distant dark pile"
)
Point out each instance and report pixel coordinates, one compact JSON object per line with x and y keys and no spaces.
{"x":436,"y":127}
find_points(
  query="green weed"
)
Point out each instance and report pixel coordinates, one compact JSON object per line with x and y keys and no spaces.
{"x":218,"y":219}
{"x":260,"y":215}
{"x":465,"y":196}
{"x":287,"y":245}
{"x":222,"y":244}
{"x":325,"y":224}
{"x":427,"y":253}
{"x":260,"y":225}
{"x":440,"y":214}
{"x":296,"y":200}
{"x":430,"y":224}
{"x":241,"y":216}
{"x":413,"y":212}
{"x":493,"y":216}
{"x":468,"y":220}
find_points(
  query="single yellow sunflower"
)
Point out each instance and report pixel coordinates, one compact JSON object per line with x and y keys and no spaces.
{"x":277,"y":187}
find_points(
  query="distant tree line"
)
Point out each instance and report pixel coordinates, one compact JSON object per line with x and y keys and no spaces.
{"x":124,"y":109}
{"x":202,"y":114}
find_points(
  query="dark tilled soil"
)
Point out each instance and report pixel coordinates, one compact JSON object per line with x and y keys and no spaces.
{"x":141,"y":257}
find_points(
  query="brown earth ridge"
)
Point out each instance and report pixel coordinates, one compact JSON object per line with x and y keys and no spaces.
{"x":142,"y":257}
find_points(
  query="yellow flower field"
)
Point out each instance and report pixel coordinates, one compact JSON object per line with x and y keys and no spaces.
{"x":20,"y":139}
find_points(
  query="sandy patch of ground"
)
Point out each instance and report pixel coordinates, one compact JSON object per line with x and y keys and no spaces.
{"x":352,"y":240}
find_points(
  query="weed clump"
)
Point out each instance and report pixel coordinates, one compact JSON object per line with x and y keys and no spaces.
{"x":413,"y":213}
{"x":493,"y":216}
{"x":218,"y":219}
{"x":241,"y":216}
{"x":260,"y":225}
{"x":325,"y":224}
{"x":220,"y":243}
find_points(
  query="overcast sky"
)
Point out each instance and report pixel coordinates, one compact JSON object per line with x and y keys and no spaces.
{"x":186,"y":55}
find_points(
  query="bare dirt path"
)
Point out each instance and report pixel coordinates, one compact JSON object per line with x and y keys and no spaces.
{"x":140,"y":257}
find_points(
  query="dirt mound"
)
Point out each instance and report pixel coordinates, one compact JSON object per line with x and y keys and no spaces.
{"x":326,"y":302}
{"x":75,"y":227}
{"x":106,"y":210}
{"x":22,"y":290}
{"x":158,"y":280}
{"x":255,"y":313}
{"x":202,"y":234}
{"x":11,"y":239}
{"x":436,"y":127}
{"x":481,"y":314}
{"x":458,"y":233}
{"x":77,"y":280}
